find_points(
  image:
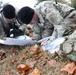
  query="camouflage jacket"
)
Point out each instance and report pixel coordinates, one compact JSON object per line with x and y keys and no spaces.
{"x":52,"y":14}
{"x":5,"y":26}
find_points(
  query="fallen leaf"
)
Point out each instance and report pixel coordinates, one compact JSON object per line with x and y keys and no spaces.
{"x":35,"y":72}
{"x":2,"y":55}
{"x":23,"y":67}
{"x":69,"y":68}
{"x":32,"y":63}
{"x":75,"y":72}
{"x":35,"y":49}
{"x":13,"y":61}
{"x":25,"y":55}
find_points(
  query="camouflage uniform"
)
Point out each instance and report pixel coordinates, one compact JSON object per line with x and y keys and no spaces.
{"x":51,"y":19}
{"x":5,"y":26}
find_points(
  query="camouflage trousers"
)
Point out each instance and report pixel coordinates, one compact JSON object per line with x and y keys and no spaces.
{"x":69,"y":47}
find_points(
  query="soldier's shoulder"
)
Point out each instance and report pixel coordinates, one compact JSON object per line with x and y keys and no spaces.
{"x":43,"y":4}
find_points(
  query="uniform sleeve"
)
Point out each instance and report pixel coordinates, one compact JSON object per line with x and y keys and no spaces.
{"x":64,"y":9}
{"x":37,"y":32}
{"x":53,"y":16}
{"x":57,"y":17}
{"x":2,"y":31}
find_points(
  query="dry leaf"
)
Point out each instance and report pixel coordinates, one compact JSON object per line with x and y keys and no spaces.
{"x":75,"y":72}
{"x":23,"y":67}
{"x":24,"y":56}
{"x":35,"y":49}
{"x":13,"y":61}
{"x":35,"y":72}
{"x":38,"y":56}
{"x":69,"y":68}
{"x":32,"y":63}
{"x":2,"y":55}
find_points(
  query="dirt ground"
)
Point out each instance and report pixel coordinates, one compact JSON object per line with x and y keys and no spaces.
{"x":11,"y":57}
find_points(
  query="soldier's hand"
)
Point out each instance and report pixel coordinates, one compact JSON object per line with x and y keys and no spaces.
{"x":44,"y":43}
{"x":15,"y":32}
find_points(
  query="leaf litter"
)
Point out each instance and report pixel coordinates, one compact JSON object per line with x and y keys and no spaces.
{"x":30,"y":60}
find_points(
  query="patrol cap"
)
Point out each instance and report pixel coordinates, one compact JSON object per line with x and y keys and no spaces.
{"x":9,"y":11}
{"x":25,"y":14}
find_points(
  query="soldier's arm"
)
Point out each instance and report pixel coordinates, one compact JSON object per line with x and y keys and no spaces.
{"x":64,"y":9}
{"x":2,"y":31}
{"x":37,"y":32}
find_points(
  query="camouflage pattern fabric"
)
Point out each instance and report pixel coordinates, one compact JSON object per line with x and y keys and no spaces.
{"x":63,"y":18}
{"x":51,"y":15}
{"x":5,"y":26}
{"x":69,"y":50}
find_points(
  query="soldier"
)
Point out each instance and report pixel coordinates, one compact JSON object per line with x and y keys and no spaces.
{"x":9,"y":21}
{"x":49,"y":19}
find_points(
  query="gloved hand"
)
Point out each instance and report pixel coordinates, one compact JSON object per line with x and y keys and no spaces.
{"x":15,"y":32}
